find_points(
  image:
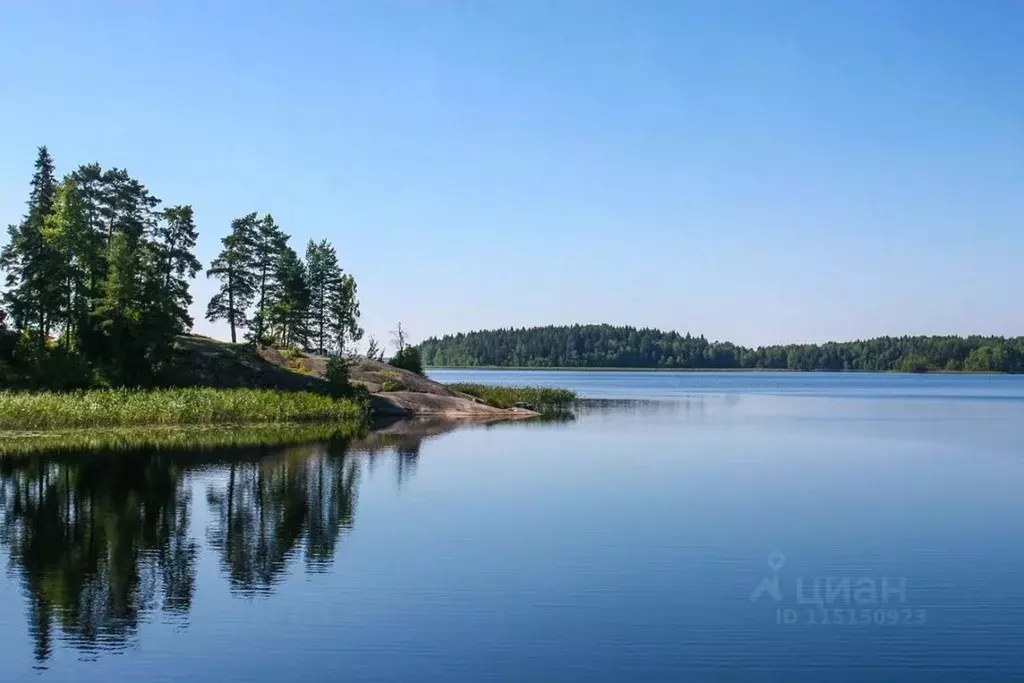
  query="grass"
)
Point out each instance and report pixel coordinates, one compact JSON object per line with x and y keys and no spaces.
{"x":542,"y":399}
{"x":392,"y":381}
{"x":173,"y":438}
{"x":117,"y":408}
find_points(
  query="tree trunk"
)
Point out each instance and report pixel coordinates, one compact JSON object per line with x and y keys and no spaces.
{"x":263,"y":298}
{"x":71,"y":315}
{"x":231,"y":306}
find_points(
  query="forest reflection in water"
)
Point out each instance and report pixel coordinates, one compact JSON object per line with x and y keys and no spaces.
{"x":100,"y":539}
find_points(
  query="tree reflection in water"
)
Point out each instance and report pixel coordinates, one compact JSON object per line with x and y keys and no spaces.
{"x":266,"y":510}
{"x":100,"y":540}
{"x":97,"y":541}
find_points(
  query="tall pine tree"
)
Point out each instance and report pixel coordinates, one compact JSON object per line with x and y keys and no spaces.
{"x":118,"y":311}
{"x":66,"y":233}
{"x":174,"y":241}
{"x":28,"y":260}
{"x":324,"y":277}
{"x":268,"y":243}
{"x":343,"y":314}
{"x":291,"y":298}
{"x":233,"y":267}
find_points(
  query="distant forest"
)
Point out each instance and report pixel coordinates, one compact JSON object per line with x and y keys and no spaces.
{"x":606,"y":346}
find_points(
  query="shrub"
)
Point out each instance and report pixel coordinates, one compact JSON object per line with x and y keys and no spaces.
{"x":336,"y":374}
{"x":408,"y":359}
{"x":26,"y":363}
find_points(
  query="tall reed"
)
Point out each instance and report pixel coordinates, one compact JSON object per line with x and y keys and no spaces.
{"x":540,"y":398}
{"x":118,"y":407}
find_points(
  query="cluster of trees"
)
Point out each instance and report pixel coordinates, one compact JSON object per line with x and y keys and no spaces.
{"x":277,"y":297}
{"x":629,"y":347}
{"x":97,"y":284}
{"x":98,"y":266}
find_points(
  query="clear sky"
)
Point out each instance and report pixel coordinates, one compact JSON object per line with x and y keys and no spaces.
{"x":758,"y":171}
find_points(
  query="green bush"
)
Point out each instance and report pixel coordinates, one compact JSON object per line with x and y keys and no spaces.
{"x":24,"y":362}
{"x":392,"y":385}
{"x":408,"y":359}
{"x":336,"y":373}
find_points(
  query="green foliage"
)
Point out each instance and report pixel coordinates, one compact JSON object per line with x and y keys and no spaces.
{"x":68,"y":236}
{"x":408,"y":359}
{"x":96,"y":266}
{"x":174,"y":241}
{"x":27,"y":258}
{"x":268,"y":246}
{"x":605,"y":346}
{"x":333,"y":307}
{"x":336,"y":373}
{"x":392,"y":381}
{"x":914,"y":363}
{"x":989,"y":358}
{"x":290,"y":299}
{"x":343,"y":314}
{"x":233,"y":268}
{"x":112,"y":407}
{"x":26,"y":364}
{"x":539,"y":398}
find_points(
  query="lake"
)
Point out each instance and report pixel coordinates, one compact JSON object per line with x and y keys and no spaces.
{"x":683,"y":526}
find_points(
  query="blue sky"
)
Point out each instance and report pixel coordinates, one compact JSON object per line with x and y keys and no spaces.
{"x":758,"y":171}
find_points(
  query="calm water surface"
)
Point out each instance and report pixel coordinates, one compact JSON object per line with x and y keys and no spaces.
{"x":706,"y":527}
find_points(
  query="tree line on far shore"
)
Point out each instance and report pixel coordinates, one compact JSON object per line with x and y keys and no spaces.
{"x":97,"y":284}
{"x":630,"y":347}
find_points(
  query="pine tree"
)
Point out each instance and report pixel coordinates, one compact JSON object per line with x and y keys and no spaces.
{"x":268,"y":242}
{"x":118,"y":311}
{"x":324,"y":276}
{"x":66,"y":233}
{"x":126,"y":207}
{"x":343,"y":314}
{"x":27,"y":259}
{"x":174,"y":240}
{"x":290,"y":300}
{"x":89,"y":179}
{"x":233,"y":267}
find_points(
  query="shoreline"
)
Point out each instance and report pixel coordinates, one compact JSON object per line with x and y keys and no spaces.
{"x":369,"y":435}
{"x":552,"y":368}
